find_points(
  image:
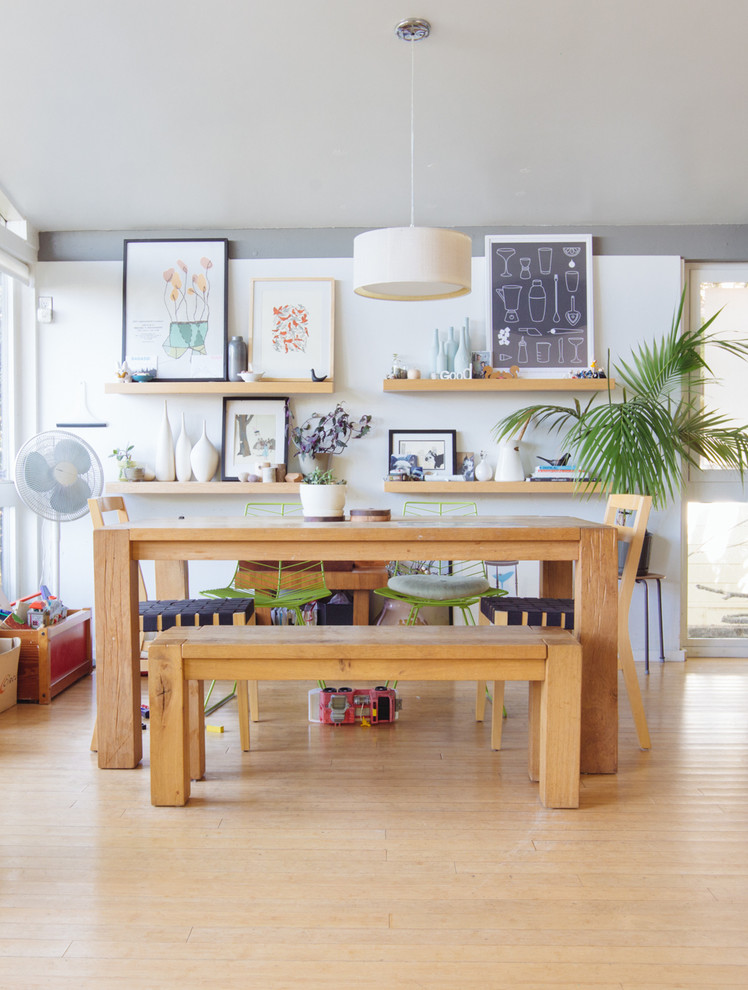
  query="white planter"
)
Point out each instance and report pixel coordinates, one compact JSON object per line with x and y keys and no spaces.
{"x":509,"y":464}
{"x":323,"y":501}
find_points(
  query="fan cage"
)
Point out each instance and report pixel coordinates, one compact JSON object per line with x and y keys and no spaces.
{"x":49,"y":498}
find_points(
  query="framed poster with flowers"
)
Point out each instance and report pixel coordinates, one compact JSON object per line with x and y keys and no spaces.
{"x":175,"y":306}
{"x":291,"y":327}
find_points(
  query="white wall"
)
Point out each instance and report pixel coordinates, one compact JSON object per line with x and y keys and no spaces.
{"x":634,"y":300}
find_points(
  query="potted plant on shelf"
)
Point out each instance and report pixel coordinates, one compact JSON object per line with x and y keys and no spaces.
{"x":321,"y":436}
{"x":642,"y":443}
{"x":128,"y":468}
{"x":322,"y":495}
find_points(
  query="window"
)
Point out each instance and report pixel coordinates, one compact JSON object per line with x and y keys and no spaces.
{"x":4,"y":421}
{"x":716,"y":517}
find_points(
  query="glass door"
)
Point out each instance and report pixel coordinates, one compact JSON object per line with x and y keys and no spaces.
{"x":715,"y":524}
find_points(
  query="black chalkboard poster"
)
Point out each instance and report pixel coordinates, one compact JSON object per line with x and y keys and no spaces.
{"x":539,"y":305}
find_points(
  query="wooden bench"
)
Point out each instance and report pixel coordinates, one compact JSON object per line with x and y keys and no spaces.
{"x":551,"y":660}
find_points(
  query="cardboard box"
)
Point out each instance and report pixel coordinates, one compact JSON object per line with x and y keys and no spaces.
{"x":10,"y":652}
{"x":53,"y":657}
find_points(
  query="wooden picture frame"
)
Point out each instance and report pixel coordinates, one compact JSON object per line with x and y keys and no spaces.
{"x":539,"y":303}
{"x":423,"y":455}
{"x":292,"y":327}
{"x":254,"y":430}
{"x":175,"y":308}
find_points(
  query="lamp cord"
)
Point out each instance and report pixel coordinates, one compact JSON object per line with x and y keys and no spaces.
{"x":412,"y":134}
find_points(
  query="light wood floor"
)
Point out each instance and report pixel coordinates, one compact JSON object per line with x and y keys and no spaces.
{"x":395,"y":856}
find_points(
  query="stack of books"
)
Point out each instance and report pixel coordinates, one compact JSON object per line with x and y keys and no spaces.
{"x":551,"y":472}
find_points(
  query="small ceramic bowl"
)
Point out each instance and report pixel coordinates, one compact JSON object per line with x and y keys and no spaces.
{"x":251,"y":376}
{"x":144,"y":376}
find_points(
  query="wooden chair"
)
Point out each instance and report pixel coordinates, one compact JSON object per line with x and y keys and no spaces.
{"x":620,"y":510}
{"x":156,"y":616}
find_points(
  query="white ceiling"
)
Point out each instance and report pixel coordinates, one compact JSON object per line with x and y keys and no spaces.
{"x":153,"y":114}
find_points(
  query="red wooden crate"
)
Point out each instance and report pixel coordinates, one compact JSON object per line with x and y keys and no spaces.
{"x":53,"y":657}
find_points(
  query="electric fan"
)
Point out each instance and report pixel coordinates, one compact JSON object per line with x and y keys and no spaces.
{"x":56,"y":473}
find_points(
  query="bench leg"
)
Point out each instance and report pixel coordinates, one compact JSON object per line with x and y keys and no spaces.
{"x":480,"y":701}
{"x":243,"y":702}
{"x":533,"y":709}
{"x":196,"y":703}
{"x":560,"y":726}
{"x":497,"y":714}
{"x":170,"y":775}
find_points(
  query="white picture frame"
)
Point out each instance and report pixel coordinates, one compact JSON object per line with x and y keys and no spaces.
{"x":292,"y":327}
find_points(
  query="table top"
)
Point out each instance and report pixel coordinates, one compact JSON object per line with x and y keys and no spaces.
{"x":290,"y":529}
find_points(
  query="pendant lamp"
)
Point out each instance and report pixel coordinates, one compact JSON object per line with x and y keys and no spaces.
{"x":412,"y":263}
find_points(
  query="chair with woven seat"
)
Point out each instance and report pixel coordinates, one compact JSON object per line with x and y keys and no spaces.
{"x":629,"y":514}
{"x":157,"y":615}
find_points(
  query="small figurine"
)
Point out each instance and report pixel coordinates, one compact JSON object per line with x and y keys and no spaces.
{"x":123,"y":372}
{"x":317,"y":378}
{"x":489,"y":372}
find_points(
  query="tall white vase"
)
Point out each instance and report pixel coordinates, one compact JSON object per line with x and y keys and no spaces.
{"x":182,"y":451}
{"x":165,"y":467}
{"x":204,"y":458}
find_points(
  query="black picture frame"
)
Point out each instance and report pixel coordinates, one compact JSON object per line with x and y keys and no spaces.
{"x":175,"y":308}
{"x":539,"y":303}
{"x":423,"y":455}
{"x":271,"y":442}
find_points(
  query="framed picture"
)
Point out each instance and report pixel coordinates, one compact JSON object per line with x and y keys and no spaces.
{"x":423,"y":454}
{"x":291,"y":327}
{"x":174,"y":308}
{"x":253,"y":430}
{"x":539,"y":303}
{"x":466,"y":464}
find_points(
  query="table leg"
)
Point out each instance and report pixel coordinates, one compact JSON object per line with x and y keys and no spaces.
{"x":556,"y":579}
{"x":596,"y":624}
{"x":172,"y":579}
{"x":120,"y":738}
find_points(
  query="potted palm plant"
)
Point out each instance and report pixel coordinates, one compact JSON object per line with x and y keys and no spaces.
{"x":642,"y":443}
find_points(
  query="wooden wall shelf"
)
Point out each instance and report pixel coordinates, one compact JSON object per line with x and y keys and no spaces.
{"x":271,"y":386}
{"x":201,"y":488}
{"x":487,"y":487}
{"x":478,"y":385}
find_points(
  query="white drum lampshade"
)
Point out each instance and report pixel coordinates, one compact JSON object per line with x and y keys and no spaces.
{"x":412,"y":263}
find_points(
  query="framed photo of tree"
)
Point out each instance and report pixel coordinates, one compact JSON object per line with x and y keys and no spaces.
{"x":253,"y":430}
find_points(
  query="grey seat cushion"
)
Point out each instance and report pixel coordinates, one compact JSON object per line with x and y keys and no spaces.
{"x":438,"y":587}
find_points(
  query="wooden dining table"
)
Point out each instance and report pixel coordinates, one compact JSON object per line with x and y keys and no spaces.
{"x":577,"y":557}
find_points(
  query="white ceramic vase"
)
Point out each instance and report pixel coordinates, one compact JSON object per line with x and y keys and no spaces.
{"x":204,"y":458}
{"x":165,"y":467}
{"x":182,"y":451}
{"x":483,"y":470}
{"x":322,"y":501}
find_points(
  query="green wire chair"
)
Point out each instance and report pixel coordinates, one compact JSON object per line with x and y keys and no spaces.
{"x":272,"y":584}
{"x":457,"y":584}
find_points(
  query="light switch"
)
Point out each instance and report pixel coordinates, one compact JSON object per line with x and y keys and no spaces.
{"x":44,"y":309}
